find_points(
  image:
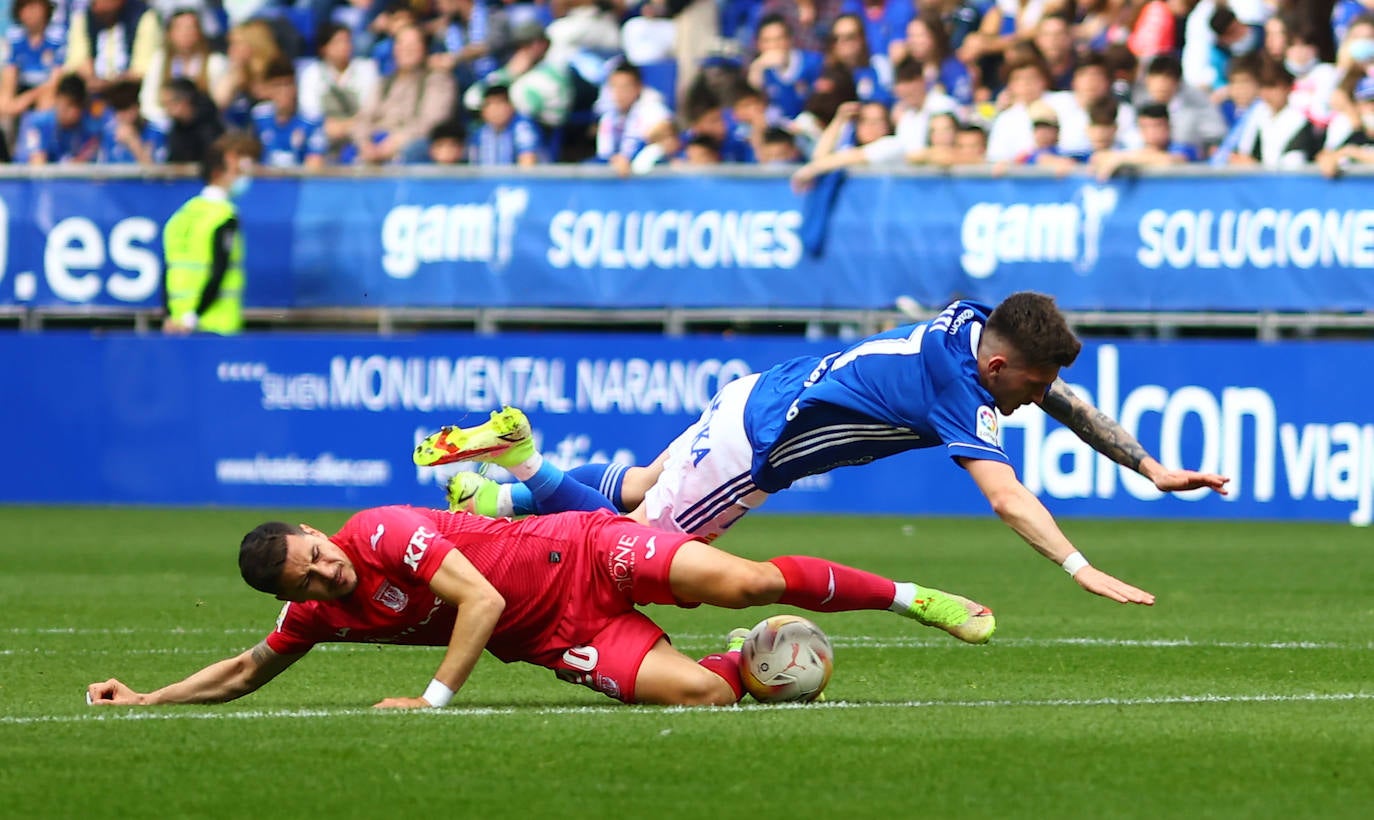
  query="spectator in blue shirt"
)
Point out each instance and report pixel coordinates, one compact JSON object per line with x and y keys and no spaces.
{"x":785,"y":74}
{"x":504,"y":137}
{"x":448,"y":143}
{"x":848,"y":48}
{"x":288,"y":139}
{"x":398,"y":16}
{"x":469,"y":37}
{"x":127,"y":138}
{"x":30,"y":75}
{"x":64,"y":133}
{"x":927,"y":43}
{"x":706,"y":118}
{"x":883,"y":21}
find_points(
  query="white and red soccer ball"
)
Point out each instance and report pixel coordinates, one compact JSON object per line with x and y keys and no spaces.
{"x":786,"y":658}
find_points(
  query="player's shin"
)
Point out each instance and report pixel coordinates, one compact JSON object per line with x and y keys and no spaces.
{"x":824,"y":586}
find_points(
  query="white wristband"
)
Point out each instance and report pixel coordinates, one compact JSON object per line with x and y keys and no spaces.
{"x":1074,"y":563}
{"x":437,"y":693}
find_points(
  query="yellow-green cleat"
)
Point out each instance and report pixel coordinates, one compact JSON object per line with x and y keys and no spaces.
{"x":734,"y":641}
{"x":473,"y":493}
{"x":969,"y":621}
{"x":504,"y":439}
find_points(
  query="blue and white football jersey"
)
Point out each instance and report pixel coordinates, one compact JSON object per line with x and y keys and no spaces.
{"x":913,"y":386}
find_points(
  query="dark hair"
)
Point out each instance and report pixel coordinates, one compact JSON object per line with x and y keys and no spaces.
{"x":73,"y":88}
{"x":183,"y":89}
{"x":907,"y":70}
{"x":327,"y":32}
{"x":773,"y":135}
{"x":19,"y":4}
{"x":496,"y":91}
{"x":629,"y":69}
{"x":1032,"y":324}
{"x":122,"y":95}
{"x":1221,"y":20}
{"x":231,"y":142}
{"x":747,"y":92}
{"x":774,"y":19}
{"x":939,"y":35}
{"x":974,"y":128}
{"x":1026,"y":55}
{"x":279,"y":68}
{"x":1249,"y":64}
{"x":701,"y":99}
{"x":1120,"y":59}
{"x":1153,"y":111}
{"x":831,"y":39}
{"x":1166,"y":65}
{"x":1103,"y":112}
{"x":263,"y":552}
{"x":452,"y":129}
{"x":1272,"y":74}
{"x":1094,"y":59}
{"x":704,"y":141}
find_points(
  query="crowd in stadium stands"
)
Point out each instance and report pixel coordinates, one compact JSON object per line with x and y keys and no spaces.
{"x":1102,"y":85}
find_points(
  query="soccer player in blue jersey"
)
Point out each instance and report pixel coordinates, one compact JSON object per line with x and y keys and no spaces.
{"x":288,"y":139}
{"x":933,"y":384}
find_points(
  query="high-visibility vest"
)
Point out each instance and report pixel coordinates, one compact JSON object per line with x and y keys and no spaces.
{"x":188,"y":248}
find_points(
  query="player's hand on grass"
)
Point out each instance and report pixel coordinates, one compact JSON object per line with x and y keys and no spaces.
{"x":112,"y":693}
{"x":403,"y":703}
{"x":1172,"y":481}
{"x":1098,"y":582}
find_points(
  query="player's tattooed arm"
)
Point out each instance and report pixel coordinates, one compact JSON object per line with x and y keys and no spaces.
{"x":1100,"y":431}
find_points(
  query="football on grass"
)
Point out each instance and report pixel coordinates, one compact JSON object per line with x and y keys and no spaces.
{"x":786,"y":658}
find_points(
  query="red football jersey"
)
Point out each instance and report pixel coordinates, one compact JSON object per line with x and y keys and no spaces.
{"x":536,"y":563}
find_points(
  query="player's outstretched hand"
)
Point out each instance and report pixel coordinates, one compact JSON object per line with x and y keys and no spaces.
{"x":1172,"y":481}
{"x":402,"y":703}
{"x":112,"y":693}
{"x":1098,"y":582}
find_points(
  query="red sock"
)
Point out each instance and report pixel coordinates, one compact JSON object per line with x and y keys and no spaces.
{"x":822,"y":586}
{"x":726,"y":664}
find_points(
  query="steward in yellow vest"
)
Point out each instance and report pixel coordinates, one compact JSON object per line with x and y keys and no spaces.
{"x":203,"y":247}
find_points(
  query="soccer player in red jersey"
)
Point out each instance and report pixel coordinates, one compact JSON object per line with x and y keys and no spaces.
{"x":557,"y":591}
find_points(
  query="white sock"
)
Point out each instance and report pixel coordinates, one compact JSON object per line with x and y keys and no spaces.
{"x":526,"y":469}
{"x":505,"y":507}
{"x":904,"y":598}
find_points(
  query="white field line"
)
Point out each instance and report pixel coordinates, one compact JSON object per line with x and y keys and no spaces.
{"x":842,"y":641}
{"x":107,"y":713}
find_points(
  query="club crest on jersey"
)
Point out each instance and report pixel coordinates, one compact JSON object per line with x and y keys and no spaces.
{"x":986,"y":426}
{"x":391,"y":597}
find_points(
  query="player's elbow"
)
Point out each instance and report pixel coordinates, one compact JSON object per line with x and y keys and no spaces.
{"x":1006,"y":503}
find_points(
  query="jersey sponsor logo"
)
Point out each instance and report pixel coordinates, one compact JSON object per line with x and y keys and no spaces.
{"x":986,"y":426}
{"x":391,"y":597}
{"x":622,"y":563}
{"x":377,"y":536}
{"x":415,"y":549}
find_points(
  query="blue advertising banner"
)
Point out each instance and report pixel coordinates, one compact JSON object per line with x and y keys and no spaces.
{"x":331,"y":421}
{"x":1239,"y":243}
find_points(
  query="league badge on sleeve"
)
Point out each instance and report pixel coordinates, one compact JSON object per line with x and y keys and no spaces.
{"x":987,"y":426}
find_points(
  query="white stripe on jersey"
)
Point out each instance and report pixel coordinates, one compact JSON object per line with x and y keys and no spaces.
{"x":975,"y":447}
{"x":837,"y":436}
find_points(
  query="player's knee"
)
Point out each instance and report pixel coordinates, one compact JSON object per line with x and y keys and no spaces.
{"x":760,"y":582}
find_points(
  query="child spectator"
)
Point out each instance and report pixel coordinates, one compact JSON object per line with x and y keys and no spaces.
{"x":448,"y":143}
{"x":1279,"y":135}
{"x":504,"y":137}
{"x":1091,"y":85}
{"x":785,"y":74}
{"x":705,"y":117}
{"x":1044,"y":151}
{"x":64,"y":133}
{"x":1159,"y":148}
{"x":971,"y":145}
{"x":127,"y":137}
{"x":1195,"y":120}
{"x":635,"y":119}
{"x":779,"y":147}
{"x":1242,"y":86}
{"x":702,"y":150}
{"x":29,"y":76}
{"x":288,"y":140}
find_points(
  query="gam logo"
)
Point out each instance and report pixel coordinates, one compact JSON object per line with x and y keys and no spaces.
{"x":993,"y":233}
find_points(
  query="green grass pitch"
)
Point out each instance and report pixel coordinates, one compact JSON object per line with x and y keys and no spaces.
{"x":1247,"y":691}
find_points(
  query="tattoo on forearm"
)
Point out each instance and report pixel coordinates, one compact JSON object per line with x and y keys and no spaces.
{"x":261,"y":654}
{"x":1093,"y":426}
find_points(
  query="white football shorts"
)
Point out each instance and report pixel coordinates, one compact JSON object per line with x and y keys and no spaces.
{"x":705,"y":485}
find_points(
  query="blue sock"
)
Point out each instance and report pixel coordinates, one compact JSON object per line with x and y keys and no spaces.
{"x":551,"y":490}
{"x":606,"y":478}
